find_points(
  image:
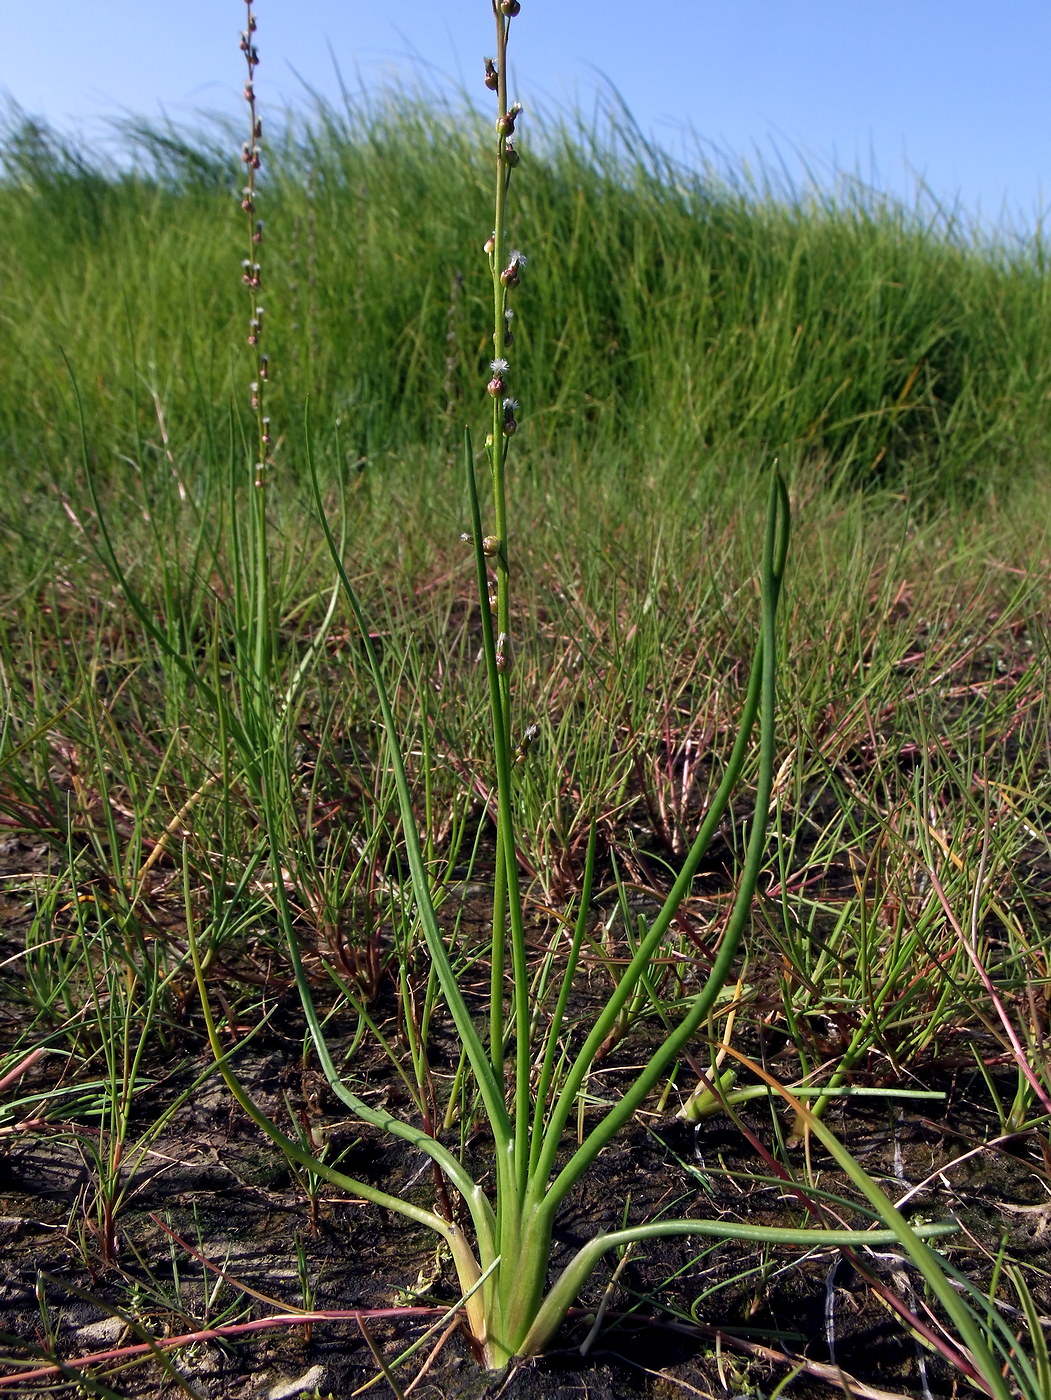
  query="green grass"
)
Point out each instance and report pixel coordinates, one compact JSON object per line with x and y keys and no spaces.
{"x":676,"y":331}
{"x":676,"y":314}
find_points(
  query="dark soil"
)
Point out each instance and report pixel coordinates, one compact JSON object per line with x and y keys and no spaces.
{"x":680,"y":1319}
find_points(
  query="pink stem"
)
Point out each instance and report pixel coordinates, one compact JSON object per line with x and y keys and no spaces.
{"x":208,"y":1334}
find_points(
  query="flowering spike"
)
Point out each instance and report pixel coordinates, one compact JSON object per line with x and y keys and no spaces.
{"x":251,"y":271}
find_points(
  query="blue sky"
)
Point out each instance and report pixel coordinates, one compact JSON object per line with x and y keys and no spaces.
{"x":952,"y":92}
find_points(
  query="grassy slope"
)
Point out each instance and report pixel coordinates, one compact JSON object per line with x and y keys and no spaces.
{"x":669,"y":314}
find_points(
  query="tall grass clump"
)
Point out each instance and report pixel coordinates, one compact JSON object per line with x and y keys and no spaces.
{"x":686,"y":308}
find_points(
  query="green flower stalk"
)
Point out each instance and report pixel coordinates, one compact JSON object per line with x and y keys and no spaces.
{"x":505,"y":272}
{"x":258,"y":624}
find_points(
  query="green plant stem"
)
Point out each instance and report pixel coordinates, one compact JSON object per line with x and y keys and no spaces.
{"x":554,"y":1029}
{"x":510,"y":895}
{"x":582,"y":1265}
{"x":508,"y":888}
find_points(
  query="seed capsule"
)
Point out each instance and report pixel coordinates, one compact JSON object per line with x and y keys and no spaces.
{"x":505,"y":124}
{"x":529,"y":738}
{"x":510,"y":276}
